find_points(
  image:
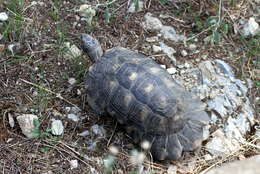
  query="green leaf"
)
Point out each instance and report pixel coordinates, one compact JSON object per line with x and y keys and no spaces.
{"x":225,"y":28}
{"x":212,"y":20}
{"x":216,"y":36}
{"x":136,"y":5}
{"x":107,"y":16}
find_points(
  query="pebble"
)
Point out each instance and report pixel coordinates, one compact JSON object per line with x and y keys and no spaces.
{"x":172,"y":70}
{"x":57,"y":127}
{"x":74,"y":164}
{"x":11,"y":120}
{"x":186,"y":65}
{"x":3,"y":16}
{"x":251,"y":27}
{"x":73,"y":117}
{"x":151,"y":23}
{"x":169,"y":33}
{"x":172,"y":169}
{"x":163,"y":66}
{"x":84,"y":133}
{"x":72,"y":51}
{"x":192,"y":47}
{"x":219,"y":144}
{"x":98,"y":130}
{"x":167,"y":50}
{"x":26,"y":123}
{"x":87,"y":12}
{"x":152,"y":39}
{"x":157,"y":49}
{"x":72,"y":81}
{"x":184,"y":53}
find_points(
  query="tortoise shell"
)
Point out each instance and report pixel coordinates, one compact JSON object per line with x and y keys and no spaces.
{"x":142,"y":96}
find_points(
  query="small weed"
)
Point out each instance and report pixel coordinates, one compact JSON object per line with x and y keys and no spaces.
{"x":14,"y":26}
{"x":54,"y":12}
{"x":79,"y":68}
{"x":45,"y":149}
{"x":37,"y":132}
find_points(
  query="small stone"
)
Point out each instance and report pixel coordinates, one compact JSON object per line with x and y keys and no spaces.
{"x":98,"y":130}
{"x":172,"y":70}
{"x":84,"y":133}
{"x":186,"y":65}
{"x":192,"y":47}
{"x":113,"y":150}
{"x":74,"y":164}
{"x":208,"y":157}
{"x":9,"y":140}
{"x":72,"y":51}
{"x":87,"y":12}
{"x":204,"y":57}
{"x":3,"y":16}
{"x":219,"y":144}
{"x":146,"y":145}
{"x":167,"y":50}
{"x":73,"y":117}
{"x":182,"y":72}
{"x":156,"y":49}
{"x":72,"y":81}
{"x":134,"y":7}
{"x":197,"y":60}
{"x":169,"y":33}
{"x":152,"y":39}
{"x":79,"y":92}
{"x":224,"y":67}
{"x":163,"y":66}
{"x":11,"y":120}
{"x":251,"y":27}
{"x":172,"y":169}
{"x":57,"y":127}
{"x":151,"y":23}
{"x":184,"y":53}
{"x":35,"y":93}
{"x":26,"y":123}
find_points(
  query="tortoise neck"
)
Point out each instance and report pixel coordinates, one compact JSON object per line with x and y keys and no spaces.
{"x":96,"y":53}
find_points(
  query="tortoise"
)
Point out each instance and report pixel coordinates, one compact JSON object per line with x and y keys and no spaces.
{"x":141,"y":95}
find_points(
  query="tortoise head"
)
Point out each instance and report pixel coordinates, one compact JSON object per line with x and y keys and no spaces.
{"x":91,"y":46}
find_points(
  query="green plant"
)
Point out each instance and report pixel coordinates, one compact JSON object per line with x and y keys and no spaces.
{"x":37,"y":132}
{"x":13,"y":26}
{"x":163,"y":2}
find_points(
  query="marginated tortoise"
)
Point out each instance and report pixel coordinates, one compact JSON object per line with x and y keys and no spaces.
{"x":142,"y":96}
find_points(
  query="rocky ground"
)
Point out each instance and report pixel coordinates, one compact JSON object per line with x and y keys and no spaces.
{"x":211,"y":48}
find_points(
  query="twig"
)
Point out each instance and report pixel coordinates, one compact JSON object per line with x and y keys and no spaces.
{"x":192,"y":37}
{"x":58,"y":95}
{"x":59,"y":149}
{"x":108,"y":143}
